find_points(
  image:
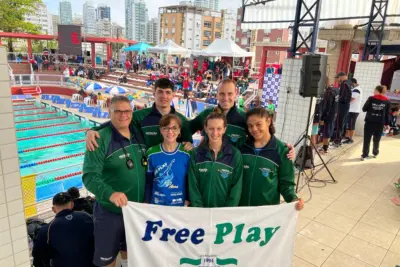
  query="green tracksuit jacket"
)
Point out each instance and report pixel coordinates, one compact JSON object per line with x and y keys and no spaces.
{"x":105,"y":170}
{"x":215,"y":183}
{"x":236,"y":128}
{"x":147,"y":121}
{"x":267,"y":175}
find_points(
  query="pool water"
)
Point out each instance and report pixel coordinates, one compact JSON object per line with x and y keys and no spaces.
{"x":50,"y":158}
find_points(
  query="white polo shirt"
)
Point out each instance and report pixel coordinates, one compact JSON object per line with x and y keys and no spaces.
{"x":355,"y":105}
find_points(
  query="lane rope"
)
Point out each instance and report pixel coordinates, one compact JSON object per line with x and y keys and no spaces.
{"x":51,"y":146}
{"x":52,"y":134}
{"x":58,"y":178}
{"x":47,"y":126}
{"x":44,"y":119}
{"x":23,"y":109}
{"x":36,"y":113}
{"x":26,"y":104}
{"x":51,"y":160}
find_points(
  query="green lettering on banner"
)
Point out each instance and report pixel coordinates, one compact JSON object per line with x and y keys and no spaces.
{"x":223,"y":229}
{"x":269,"y":233}
{"x":254,"y":235}
{"x":238,"y":235}
{"x":227,"y":261}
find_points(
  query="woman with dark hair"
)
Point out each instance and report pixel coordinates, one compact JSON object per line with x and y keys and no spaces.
{"x":168,"y":164}
{"x":267,"y":172}
{"x":215,"y":173}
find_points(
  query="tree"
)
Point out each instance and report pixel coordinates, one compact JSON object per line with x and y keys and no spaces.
{"x":12,"y":14}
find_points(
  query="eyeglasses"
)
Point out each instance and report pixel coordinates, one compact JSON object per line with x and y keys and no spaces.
{"x":174,"y":129}
{"x":120,"y":112}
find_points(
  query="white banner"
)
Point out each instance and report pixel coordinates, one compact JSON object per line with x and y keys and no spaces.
{"x":161,"y":236}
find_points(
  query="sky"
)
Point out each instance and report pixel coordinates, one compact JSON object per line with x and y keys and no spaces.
{"x":118,"y":7}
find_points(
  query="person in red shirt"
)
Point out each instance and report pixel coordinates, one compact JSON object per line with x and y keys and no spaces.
{"x":128,"y":66}
{"x":195,"y":66}
{"x":186,"y":83}
{"x":185,"y":74}
{"x":204,"y":66}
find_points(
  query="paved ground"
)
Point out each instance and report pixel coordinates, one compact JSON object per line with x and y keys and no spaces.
{"x":352,"y":223}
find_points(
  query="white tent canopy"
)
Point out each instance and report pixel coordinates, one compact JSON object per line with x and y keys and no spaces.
{"x":223,"y":48}
{"x":169,"y":47}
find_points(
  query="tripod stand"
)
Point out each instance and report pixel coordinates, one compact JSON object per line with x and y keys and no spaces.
{"x":306,"y":138}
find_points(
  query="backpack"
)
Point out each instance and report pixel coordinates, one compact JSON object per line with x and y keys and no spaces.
{"x":33,"y":226}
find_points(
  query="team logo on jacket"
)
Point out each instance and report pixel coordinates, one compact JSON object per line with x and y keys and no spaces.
{"x":224,"y":173}
{"x":265,"y":172}
{"x":151,"y":133}
{"x":234,"y":137}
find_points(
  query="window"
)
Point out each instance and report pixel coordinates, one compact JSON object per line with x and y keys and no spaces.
{"x":207,"y":34}
{"x":218,"y":25}
{"x":238,"y":28}
{"x":166,"y":30}
{"x":244,"y":41}
{"x":207,"y":24}
{"x":173,"y":21}
{"x":277,"y":52}
{"x":206,"y":43}
{"x":239,"y":17}
{"x":218,"y":35}
{"x":278,"y":40}
{"x":237,"y":40}
{"x":173,"y":30}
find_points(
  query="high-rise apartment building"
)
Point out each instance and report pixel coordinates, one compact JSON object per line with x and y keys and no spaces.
{"x":65,"y":12}
{"x":104,"y":28}
{"x":89,"y":18}
{"x":190,"y":26}
{"x":55,"y":20}
{"x":41,"y":18}
{"x":77,"y":19}
{"x":211,"y":4}
{"x":103,"y":12}
{"x":140,"y":19}
{"x":152,"y":31}
{"x":117,"y":31}
{"x":129,"y":19}
{"x":229,"y":24}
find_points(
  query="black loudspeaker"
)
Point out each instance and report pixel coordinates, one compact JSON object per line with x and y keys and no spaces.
{"x":88,"y":53}
{"x":313,"y":75}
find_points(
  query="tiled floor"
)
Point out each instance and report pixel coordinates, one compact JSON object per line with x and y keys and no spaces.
{"x":352,"y":223}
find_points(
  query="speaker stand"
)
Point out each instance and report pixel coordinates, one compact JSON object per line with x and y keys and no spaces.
{"x":305,"y":139}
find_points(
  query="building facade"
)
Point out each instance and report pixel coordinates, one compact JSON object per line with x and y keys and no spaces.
{"x":77,"y":19}
{"x":152,"y":31}
{"x":89,"y":18}
{"x":229,"y":24}
{"x":190,"y":26}
{"x":129,"y":19}
{"x":117,"y":31}
{"x":140,"y":19}
{"x":211,"y":4}
{"x":55,"y":20}
{"x":103,"y":12}
{"x":42,"y":19}
{"x":65,"y":12}
{"x":104,"y":28}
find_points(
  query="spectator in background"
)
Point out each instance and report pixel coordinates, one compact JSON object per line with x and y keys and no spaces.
{"x":204,"y":66}
{"x":195,"y":66}
{"x":110,"y":64}
{"x":271,"y":106}
{"x":128,"y":66}
{"x":329,"y":107}
{"x":394,"y":129}
{"x":344,"y":106}
{"x":256,"y":103}
{"x":377,"y":108}
{"x":355,"y":109}
{"x":68,"y":240}
{"x":81,"y":203}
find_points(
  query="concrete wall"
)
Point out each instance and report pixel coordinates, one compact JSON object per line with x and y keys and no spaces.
{"x":333,"y":58}
{"x":291,"y":119}
{"x":14,"y":249}
{"x":368,"y":75}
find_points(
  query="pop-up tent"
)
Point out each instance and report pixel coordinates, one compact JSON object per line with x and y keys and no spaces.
{"x":169,"y":48}
{"x":139,"y":47}
{"x":223,"y":48}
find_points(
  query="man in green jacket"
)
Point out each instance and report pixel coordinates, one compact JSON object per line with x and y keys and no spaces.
{"x":147,"y":120}
{"x":115,"y":174}
{"x":236,"y":118}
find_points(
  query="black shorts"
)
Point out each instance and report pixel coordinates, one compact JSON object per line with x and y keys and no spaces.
{"x":327,"y":129}
{"x":109,"y":235}
{"x":351,"y":121}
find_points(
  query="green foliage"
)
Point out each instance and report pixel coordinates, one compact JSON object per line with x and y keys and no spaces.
{"x":12,"y":14}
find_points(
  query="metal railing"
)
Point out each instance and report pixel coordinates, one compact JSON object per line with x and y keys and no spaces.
{"x":41,"y":79}
{"x":254,"y":92}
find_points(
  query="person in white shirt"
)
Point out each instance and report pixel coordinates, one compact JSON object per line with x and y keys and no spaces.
{"x":355,"y":109}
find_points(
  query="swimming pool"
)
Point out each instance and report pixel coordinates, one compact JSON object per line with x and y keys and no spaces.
{"x":51,"y":148}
